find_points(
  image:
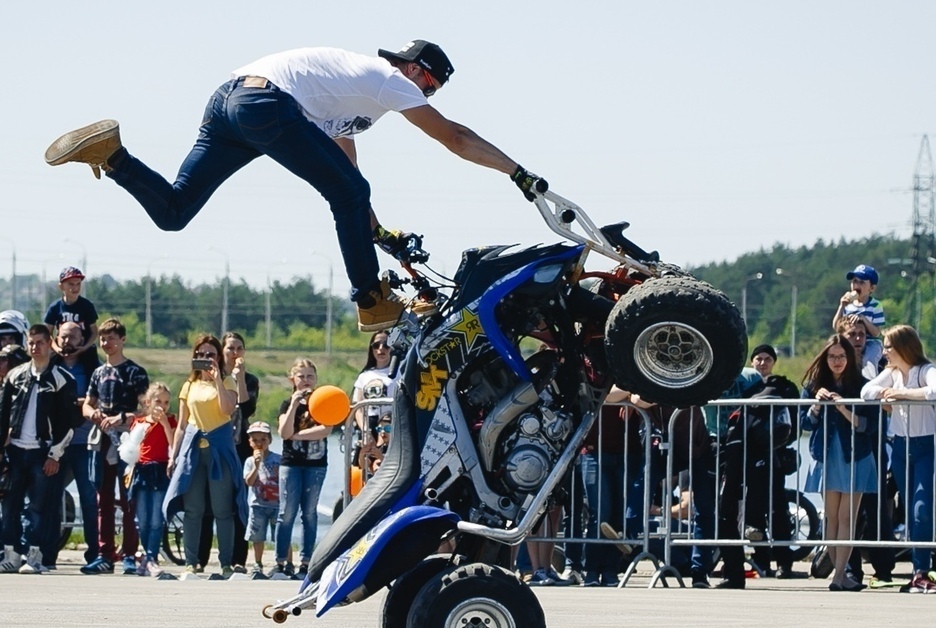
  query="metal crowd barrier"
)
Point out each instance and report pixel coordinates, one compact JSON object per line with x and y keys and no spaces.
{"x":641,"y":531}
{"x":682,"y":535}
{"x":653,"y":537}
{"x":350,"y":447}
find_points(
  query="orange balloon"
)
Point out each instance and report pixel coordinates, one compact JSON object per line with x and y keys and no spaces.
{"x":329,"y":405}
{"x":357,"y":481}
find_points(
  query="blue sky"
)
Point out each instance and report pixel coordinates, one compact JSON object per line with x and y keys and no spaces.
{"x":714,"y":128}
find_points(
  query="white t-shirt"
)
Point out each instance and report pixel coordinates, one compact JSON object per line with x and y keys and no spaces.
{"x":374,"y":384}
{"x":342,"y":92}
{"x":907,"y":420}
{"x":29,"y":435}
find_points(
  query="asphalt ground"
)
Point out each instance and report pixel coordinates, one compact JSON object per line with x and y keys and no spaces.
{"x":66,"y":597}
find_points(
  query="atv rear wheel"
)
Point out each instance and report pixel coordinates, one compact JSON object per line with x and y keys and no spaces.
{"x":404,"y":590}
{"x":675,"y":341}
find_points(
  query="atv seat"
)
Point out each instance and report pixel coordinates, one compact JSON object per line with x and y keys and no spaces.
{"x":615,"y":235}
{"x":397,"y":475}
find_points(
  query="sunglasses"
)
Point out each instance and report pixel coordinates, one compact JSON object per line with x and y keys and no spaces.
{"x":379,"y":345}
{"x":431,"y":88}
{"x":386,"y":429}
{"x":205,"y":354}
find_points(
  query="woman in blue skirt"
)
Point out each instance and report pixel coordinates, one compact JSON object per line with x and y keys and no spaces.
{"x":842,"y":438}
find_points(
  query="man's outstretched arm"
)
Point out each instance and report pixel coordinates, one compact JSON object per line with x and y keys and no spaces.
{"x":460,"y":139}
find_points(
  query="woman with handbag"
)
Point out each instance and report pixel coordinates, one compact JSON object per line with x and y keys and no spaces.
{"x":841,"y":444}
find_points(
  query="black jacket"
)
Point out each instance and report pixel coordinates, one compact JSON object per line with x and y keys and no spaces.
{"x":56,"y":405}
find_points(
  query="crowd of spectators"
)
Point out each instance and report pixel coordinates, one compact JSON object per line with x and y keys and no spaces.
{"x":65,"y":415}
{"x":104,"y":425}
{"x":755,"y":445}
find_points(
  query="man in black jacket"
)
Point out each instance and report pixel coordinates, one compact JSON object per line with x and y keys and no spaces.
{"x":38,"y":411}
{"x":753,"y":477}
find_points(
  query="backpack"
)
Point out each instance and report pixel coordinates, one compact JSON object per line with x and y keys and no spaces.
{"x":778,"y":387}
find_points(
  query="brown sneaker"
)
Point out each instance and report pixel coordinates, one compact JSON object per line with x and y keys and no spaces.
{"x":423,"y":308}
{"x":92,"y":145}
{"x":608,"y":531}
{"x":384,"y":313}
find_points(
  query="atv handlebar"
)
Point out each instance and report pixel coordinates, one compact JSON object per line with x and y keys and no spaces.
{"x":561,"y":214}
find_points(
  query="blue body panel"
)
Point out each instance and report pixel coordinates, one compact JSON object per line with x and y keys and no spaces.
{"x":489,"y":300}
{"x":348,"y":572}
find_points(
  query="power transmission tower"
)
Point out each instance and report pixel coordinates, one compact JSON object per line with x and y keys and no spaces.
{"x":923,"y":242}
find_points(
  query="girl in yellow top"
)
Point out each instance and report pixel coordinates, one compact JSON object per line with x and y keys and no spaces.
{"x":203,"y":459}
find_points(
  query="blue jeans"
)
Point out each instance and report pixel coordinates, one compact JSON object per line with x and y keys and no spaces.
{"x":148,"y":504}
{"x":299,"y":486}
{"x":703,"y":514}
{"x":76,"y":466}
{"x":604,"y":489}
{"x":27,"y":479}
{"x":240,"y":124}
{"x":912,"y":465}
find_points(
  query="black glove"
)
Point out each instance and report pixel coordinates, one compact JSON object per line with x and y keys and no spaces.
{"x":391,"y":242}
{"x":526,"y":181}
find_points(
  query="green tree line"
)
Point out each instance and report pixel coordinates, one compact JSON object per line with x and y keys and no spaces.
{"x":817,"y":275}
{"x":298,"y":309}
{"x":178,"y":310}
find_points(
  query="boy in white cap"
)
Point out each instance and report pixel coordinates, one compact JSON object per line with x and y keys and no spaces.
{"x":261,"y":474}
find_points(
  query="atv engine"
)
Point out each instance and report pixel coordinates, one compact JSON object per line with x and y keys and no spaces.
{"x":520,"y":432}
{"x":531,"y":448}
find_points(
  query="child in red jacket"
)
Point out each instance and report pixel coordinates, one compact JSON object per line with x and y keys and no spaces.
{"x":146,"y":451}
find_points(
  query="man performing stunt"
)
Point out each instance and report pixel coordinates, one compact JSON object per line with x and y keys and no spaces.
{"x":302,"y":108}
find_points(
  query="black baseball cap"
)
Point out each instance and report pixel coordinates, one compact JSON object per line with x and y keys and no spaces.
{"x":426,"y":54}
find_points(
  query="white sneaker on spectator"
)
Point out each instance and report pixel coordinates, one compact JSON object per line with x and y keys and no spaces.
{"x":11,"y":560}
{"x":33,"y":564}
{"x":572,"y":576}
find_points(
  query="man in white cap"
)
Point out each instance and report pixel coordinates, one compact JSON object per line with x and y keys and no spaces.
{"x":302,"y":108}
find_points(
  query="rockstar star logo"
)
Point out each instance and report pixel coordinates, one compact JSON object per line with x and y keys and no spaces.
{"x":470,"y":326}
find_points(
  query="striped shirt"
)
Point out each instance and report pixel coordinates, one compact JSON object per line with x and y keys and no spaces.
{"x":872,"y":309}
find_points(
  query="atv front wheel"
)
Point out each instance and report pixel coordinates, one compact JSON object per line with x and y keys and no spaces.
{"x":675,"y":341}
{"x":476,"y":595}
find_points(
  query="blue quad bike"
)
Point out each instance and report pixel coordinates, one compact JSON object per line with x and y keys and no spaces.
{"x":503,"y":373}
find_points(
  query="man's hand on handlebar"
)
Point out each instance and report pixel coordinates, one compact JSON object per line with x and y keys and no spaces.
{"x":528,"y":183}
{"x":405,"y":247}
{"x":391,"y":242}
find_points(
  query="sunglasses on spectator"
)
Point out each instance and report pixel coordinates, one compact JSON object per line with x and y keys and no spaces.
{"x":379,"y":345}
{"x":205,"y":354}
{"x":386,"y":429}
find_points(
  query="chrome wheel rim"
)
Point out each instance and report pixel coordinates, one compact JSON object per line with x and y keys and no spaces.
{"x":480,"y":612}
{"x":673,"y":355}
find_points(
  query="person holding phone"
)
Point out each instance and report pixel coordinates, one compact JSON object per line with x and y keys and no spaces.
{"x":204,"y":463}
{"x":248,"y":390}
